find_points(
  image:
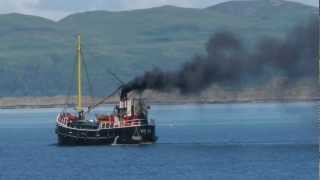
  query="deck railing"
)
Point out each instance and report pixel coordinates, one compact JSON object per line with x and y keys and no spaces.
{"x":122,"y":124}
{"x":63,"y":120}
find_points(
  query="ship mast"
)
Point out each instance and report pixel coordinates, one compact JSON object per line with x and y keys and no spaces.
{"x":79,"y":79}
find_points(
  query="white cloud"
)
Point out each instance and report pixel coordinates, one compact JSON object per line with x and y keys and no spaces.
{"x":139,"y":4}
{"x":17,"y":5}
{"x":29,"y":7}
{"x":56,"y":9}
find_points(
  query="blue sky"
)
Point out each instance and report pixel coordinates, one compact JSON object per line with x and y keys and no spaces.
{"x":57,"y":9}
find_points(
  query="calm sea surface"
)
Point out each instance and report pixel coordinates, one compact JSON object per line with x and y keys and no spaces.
{"x":221,"y":142}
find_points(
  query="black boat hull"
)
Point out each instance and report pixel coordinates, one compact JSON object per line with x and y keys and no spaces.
{"x":125,"y":135}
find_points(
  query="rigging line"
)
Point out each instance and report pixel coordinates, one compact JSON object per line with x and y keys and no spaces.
{"x":88,"y":79}
{"x":72,"y":84}
{"x":103,"y":100}
{"x":116,"y":77}
{"x":70,"y":87}
{"x":107,"y":97}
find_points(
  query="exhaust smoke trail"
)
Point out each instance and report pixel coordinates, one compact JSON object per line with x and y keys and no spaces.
{"x":229,"y":62}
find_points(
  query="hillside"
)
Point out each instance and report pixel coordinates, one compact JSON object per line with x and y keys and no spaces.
{"x":37,"y":54}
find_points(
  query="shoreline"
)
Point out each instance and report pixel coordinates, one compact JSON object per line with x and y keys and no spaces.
{"x":275,"y":91}
{"x":168,"y":102}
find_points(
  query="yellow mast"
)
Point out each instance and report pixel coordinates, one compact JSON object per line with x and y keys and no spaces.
{"x":79,"y":80}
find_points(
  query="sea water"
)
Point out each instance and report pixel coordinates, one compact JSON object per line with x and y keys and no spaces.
{"x":258,"y":141}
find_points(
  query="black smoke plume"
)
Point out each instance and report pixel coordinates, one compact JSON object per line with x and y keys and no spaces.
{"x":229,"y":62}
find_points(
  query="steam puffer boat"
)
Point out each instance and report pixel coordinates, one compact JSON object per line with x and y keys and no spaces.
{"x":127,"y":124}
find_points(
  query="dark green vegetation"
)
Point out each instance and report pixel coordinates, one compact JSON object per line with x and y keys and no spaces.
{"x":37,"y":55}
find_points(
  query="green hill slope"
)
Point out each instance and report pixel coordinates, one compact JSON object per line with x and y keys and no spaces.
{"x":37,"y":55}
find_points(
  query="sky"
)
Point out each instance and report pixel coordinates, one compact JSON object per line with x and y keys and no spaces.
{"x":57,"y":9}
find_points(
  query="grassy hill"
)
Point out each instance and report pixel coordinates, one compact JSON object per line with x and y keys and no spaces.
{"x":37,"y":55}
